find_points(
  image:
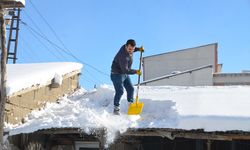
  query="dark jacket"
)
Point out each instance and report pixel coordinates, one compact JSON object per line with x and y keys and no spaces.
{"x":122,"y":62}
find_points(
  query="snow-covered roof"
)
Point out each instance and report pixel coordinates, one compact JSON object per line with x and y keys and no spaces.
{"x":12,"y":3}
{"x":22,"y":76}
{"x":209,"y":108}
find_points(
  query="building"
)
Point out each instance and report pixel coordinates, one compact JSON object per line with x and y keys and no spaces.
{"x":12,"y":3}
{"x":133,"y":139}
{"x":196,"y":66}
{"x":31,"y":86}
{"x":190,"y":118}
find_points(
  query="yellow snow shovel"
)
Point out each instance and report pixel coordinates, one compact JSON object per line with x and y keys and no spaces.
{"x":136,"y":107}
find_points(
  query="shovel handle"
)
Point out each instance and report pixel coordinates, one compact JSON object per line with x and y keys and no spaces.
{"x":139,"y":80}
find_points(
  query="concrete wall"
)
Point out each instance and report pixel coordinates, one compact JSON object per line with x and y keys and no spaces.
{"x":198,"y":77}
{"x":163,"y":64}
{"x":231,"y":79}
{"x":22,"y":103}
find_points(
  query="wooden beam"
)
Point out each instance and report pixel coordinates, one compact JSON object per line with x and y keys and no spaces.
{"x":189,"y":134}
{"x":3,"y":74}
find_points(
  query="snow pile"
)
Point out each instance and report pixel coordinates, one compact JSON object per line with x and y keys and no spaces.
{"x":22,"y":76}
{"x":210,"y":108}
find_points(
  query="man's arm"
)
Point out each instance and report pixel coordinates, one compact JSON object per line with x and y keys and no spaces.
{"x":123,"y":62}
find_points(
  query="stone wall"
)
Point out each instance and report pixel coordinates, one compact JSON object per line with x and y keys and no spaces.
{"x":23,"y":102}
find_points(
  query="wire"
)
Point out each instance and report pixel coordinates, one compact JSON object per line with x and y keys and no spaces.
{"x":30,"y":55}
{"x":45,"y":46}
{"x":30,"y":18}
{"x":50,"y":27}
{"x":40,"y":31}
{"x":66,"y":50}
{"x":32,"y":32}
{"x":29,"y":49}
{"x":27,"y":53}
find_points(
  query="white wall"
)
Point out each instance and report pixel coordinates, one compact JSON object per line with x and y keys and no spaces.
{"x":195,"y":78}
{"x":163,"y":64}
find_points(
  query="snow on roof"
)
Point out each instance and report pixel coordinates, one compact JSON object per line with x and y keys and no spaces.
{"x":21,"y":1}
{"x":12,"y":3}
{"x":210,"y":108}
{"x":22,"y":76}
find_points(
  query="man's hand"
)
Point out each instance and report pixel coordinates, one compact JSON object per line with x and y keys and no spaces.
{"x":141,"y":49}
{"x":138,"y":72}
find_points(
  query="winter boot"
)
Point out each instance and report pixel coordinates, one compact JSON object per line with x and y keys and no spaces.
{"x":130,"y":102}
{"x":116,"y":110}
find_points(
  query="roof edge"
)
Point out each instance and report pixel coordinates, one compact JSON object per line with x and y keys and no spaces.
{"x":171,"y":75}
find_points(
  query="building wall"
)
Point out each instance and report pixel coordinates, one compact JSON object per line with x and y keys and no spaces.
{"x":231,"y":79}
{"x":132,"y":139}
{"x":163,"y":64}
{"x":20,"y":104}
{"x":193,"y":78}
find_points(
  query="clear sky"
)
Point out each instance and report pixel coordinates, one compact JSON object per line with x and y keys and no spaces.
{"x":94,"y":30}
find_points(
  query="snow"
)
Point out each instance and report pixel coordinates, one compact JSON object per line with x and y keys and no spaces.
{"x":22,"y":1}
{"x":210,"y":108}
{"x":58,"y":79}
{"x":19,"y":1}
{"x":22,"y":76}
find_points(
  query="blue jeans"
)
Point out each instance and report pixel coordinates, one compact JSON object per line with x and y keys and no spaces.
{"x":120,"y":80}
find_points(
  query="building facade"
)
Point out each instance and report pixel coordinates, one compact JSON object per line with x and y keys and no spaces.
{"x":196,"y":66}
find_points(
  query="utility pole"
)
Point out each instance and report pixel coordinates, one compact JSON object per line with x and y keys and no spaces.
{"x":3,"y":74}
{"x":3,"y":97}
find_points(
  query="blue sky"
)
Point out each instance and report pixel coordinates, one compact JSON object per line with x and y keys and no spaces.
{"x":94,"y":30}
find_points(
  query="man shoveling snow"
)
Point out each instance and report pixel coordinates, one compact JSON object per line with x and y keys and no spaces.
{"x":120,"y":71}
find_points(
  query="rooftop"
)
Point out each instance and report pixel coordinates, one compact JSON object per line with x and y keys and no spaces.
{"x":211,"y":109}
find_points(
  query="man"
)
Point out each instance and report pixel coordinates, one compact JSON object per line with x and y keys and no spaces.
{"x":120,"y":71}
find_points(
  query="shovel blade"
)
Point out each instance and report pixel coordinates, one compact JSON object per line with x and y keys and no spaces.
{"x":135,"y":108}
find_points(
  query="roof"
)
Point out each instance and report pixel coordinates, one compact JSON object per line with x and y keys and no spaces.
{"x":189,"y":134}
{"x":12,"y":3}
{"x":169,"y":133}
{"x":212,"y":109}
{"x":22,"y":76}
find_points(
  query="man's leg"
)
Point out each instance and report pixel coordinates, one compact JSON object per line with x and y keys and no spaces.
{"x":117,"y":80}
{"x":129,"y":88}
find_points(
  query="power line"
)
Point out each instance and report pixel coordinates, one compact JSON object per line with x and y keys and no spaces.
{"x":33,"y":31}
{"x":66,"y":52}
{"x":31,"y":56}
{"x":27,"y":53}
{"x":46,"y":47}
{"x":40,"y":31}
{"x":64,"y":49}
{"x":50,"y":27}
{"x":30,"y":18}
{"x":29,"y":49}
{"x":58,"y":38}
